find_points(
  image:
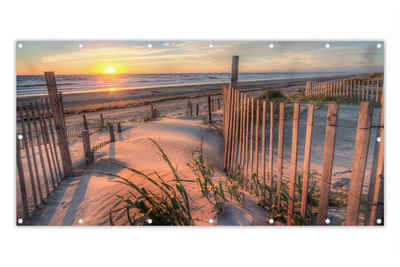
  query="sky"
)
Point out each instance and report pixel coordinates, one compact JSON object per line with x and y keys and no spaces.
{"x":100,"y":57}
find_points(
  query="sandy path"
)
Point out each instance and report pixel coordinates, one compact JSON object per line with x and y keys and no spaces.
{"x":90,"y":197}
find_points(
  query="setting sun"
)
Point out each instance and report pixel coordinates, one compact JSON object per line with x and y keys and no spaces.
{"x":110,"y":69}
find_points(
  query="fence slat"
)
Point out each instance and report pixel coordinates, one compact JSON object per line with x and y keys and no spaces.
{"x":329,"y":151}
{"x":307,"y":157}
{"x":257,"y":130}
{"x":377,"y":92}
{"x":111,"y":132}
{"x":271,"y":145}
{"x":85,"y":124}
{"x":241,"y":142}
{"x":209,"y":109}
{"x":251,"y":144}
{"x":376,"y":208}
{"x":101,"y":120}
{"x":373,"y":177}
{"x":226,"y":126}
{"x":279,"y":163}
{"x":21,"y":180}
{"x":363,"y":92}
{"x":230,"y":130}
{"x":235,"y":129}
{"x":263,"y":139}
{"x":359,"y":163}
{"x":232,"y":139}
{"x":246,"y":153}
{"x":293,"y":162}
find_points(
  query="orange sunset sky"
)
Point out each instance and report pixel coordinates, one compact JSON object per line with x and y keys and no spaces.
{"x":101,"y":57}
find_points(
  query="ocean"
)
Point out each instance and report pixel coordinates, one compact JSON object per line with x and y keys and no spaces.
{"x":35,"y":84}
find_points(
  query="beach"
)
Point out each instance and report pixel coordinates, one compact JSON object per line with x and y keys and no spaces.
{"x":171,"y":130}
{"x":105,"y":99}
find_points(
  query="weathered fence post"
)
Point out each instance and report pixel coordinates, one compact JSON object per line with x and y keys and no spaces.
{"x":85,"y":125}
{"x":111,"y":131}
{"x":228,"y":106}
{"x":58,"y":115}
{"x":209,"y":109}
{"x":329,"y":151}
{"x":235,"y":71}
{"x":189,"y":108}
{"x":359,"y":162}
{"x":119,"y":129}
{"x":153,"y":112}
{"x":86,"y":146}
{"x":102,"y":120}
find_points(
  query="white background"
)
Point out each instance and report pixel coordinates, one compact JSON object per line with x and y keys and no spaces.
{"x":199,"y":246}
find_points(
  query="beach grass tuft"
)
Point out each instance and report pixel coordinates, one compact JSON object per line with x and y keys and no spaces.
{"x":169,"y":205}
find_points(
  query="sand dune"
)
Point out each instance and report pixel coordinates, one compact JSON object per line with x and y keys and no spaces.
{"x":90,"y":197}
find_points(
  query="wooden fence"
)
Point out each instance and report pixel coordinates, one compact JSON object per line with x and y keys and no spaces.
{"x":214,"y":103}
{"x":42,"y":152}
{"x":246,"y":118}
{"x":354,"y":89}
{"x":39,"y":165}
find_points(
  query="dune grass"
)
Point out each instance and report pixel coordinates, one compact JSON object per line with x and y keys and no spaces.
{"x":217,"y":193}
{"x":168,"y":205}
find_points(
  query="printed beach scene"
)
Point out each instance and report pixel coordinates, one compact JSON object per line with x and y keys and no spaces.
{"x":199,"y":133}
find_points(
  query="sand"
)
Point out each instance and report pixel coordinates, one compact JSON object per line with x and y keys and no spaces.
{"x":88,"y":199}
